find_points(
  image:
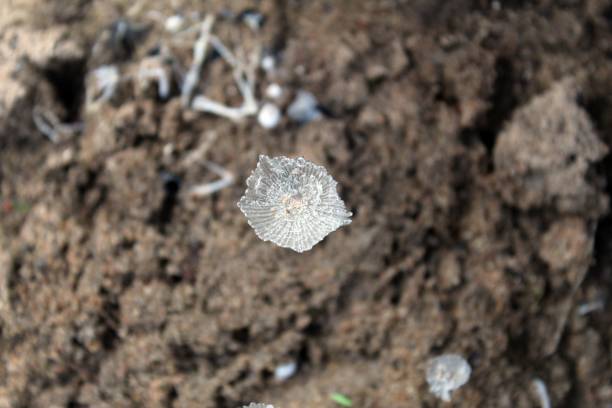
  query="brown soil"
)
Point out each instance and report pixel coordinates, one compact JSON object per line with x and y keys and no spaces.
{"x":469,"y":137}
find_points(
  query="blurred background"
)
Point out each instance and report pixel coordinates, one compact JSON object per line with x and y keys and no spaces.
{"x":470,"y":138}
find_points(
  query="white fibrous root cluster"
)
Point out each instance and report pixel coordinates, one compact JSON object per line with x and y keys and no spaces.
{"x":447,"y":373}
{"x":292,"y":202}
{"x":257,"y":405}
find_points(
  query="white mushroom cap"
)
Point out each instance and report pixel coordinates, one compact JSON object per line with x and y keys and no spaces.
{"x":446,"y":373}
{"x":292,"y":202}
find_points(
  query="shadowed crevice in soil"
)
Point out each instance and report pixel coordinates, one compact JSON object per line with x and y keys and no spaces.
{"x":67,"y":77}
{"x":109,"y":319}
{"x":502,"y":104}
{"x":599,"y":275}
{"x":163,"y":216}
{"x":599,"y":109}
{"x":283,"y":27}
{"x":185,"y":359}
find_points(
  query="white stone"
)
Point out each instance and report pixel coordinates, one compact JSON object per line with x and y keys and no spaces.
{"x":274,"y":91}
{"x":269,"y":116}
{"x":304,"y":108}
{"x":268,"y":63}
{"x":174,"y":23}
{"x":285,"y":371}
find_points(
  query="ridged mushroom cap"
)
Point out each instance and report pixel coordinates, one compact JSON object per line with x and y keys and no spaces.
{"x":292,"y":202}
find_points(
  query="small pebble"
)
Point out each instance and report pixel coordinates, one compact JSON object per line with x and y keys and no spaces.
{"x":253,"y":19}
{"x":174,"y":23}
{"x":269,"y":116}
{"x":268,"y":63}
{"x":304,"y":108}
{"x":274,"y":91}
{"x":285,"y":371}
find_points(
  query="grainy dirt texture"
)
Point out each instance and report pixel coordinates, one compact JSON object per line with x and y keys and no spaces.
{"x":470,"y":138}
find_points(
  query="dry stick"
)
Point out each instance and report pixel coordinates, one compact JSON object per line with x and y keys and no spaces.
{"x":199,"y":53}
{"x":551,"y":347}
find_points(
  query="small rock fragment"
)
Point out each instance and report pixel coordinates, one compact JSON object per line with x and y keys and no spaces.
{"x":304,"y":108}
{"x":543,"y":156}
{"x":566,"y":243}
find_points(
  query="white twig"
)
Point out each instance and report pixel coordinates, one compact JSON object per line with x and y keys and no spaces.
{"x":198,"y":153}
{"x":158,"y":73}
{"x":566,"y":307}
{"x":46,"y":123}
{"x":245,"y":80}
{"x":106,"y":78}
{"x":225,"y":53}
{"x":589,"y":307}
{"x":204,"y":104}
{"x":199,"y":53}
{"x":226,"y":180}
{"x":542,"y":392}
{"x":49,"y":124}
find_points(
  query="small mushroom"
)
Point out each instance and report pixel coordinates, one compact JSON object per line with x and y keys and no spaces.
{"x":292,"y":202}
{"x":446,"y":373}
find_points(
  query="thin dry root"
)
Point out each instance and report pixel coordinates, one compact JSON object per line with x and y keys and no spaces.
{"x":199,"y":54}
{"x":244,"y":76}
{"x":542,"y":392}
{"x":49,"y":125}
{"x":203,"y":190}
